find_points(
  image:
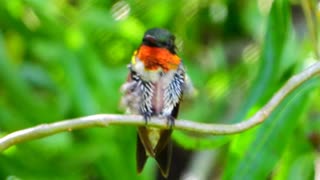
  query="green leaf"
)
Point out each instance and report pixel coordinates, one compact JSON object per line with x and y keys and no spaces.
{"x":269,"y":140}
{"x":199,"y":142}
{"x":18,"y":90}
{"x":255,"y":153}
{"x":277,"y":32}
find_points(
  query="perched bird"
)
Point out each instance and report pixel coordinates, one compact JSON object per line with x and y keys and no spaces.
{"x":154,"y":87}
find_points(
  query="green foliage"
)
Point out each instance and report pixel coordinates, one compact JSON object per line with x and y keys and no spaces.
{"x":62,"y":59}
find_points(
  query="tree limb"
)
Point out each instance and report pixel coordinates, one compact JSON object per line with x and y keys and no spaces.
{"x":103,"y":120}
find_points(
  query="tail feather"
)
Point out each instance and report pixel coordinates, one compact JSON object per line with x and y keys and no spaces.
{"x":141,"y":155}
{"x":163,"y":159}
{"x":163,"y":141}
{"x":163,"y":152}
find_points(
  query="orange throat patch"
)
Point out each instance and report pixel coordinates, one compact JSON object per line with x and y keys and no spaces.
{"x":155,"y":57}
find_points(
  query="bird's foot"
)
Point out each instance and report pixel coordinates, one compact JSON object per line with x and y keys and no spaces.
{"x":170,"y":121}
{"x":147,"y":118}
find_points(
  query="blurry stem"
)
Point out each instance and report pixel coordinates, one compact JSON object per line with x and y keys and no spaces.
{"x":309,"y":8}
{"x":201,"y":166}
{"x":317,"y":167}
{"x":104,"y":120}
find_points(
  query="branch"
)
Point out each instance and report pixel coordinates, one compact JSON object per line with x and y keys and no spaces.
{"x":103,"y":120}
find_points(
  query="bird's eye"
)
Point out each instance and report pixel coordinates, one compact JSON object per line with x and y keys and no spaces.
{"x":164,"y":43}
{"x":146,"y":40}
{"x":169,"y":43}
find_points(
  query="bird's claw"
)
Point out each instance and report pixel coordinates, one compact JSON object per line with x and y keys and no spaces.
{"x":170,"y":121}
{"x":147,"y":118}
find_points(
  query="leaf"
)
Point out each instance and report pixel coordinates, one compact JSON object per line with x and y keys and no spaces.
{"x":18,"y":90}
{"x":274,"y":42}
{"x":255,"y":153}
{"x":256,"y":159}
{"x":199,"y":142}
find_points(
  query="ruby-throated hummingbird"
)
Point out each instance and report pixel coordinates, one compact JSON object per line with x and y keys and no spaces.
{"x":154,"y":87}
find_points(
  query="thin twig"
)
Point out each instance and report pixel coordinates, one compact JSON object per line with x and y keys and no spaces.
{"x":185,"y":125}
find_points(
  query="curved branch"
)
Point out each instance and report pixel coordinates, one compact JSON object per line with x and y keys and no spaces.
{"x":102,"y":120}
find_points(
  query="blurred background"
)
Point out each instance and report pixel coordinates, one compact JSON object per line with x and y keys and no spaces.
{"x":62,"y":59}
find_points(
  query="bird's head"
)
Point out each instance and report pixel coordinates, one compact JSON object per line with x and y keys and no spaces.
{"x":158,"y":50}
{"x":160,"y":38}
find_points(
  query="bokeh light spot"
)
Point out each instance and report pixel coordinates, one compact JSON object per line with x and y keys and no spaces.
{"x":218,"y":12}
{"x":120,"y":10}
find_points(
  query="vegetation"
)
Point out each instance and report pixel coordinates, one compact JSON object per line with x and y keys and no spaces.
{"x":61,"y":59}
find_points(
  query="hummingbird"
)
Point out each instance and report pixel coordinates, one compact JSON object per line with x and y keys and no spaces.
{"x":154,"y":88}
